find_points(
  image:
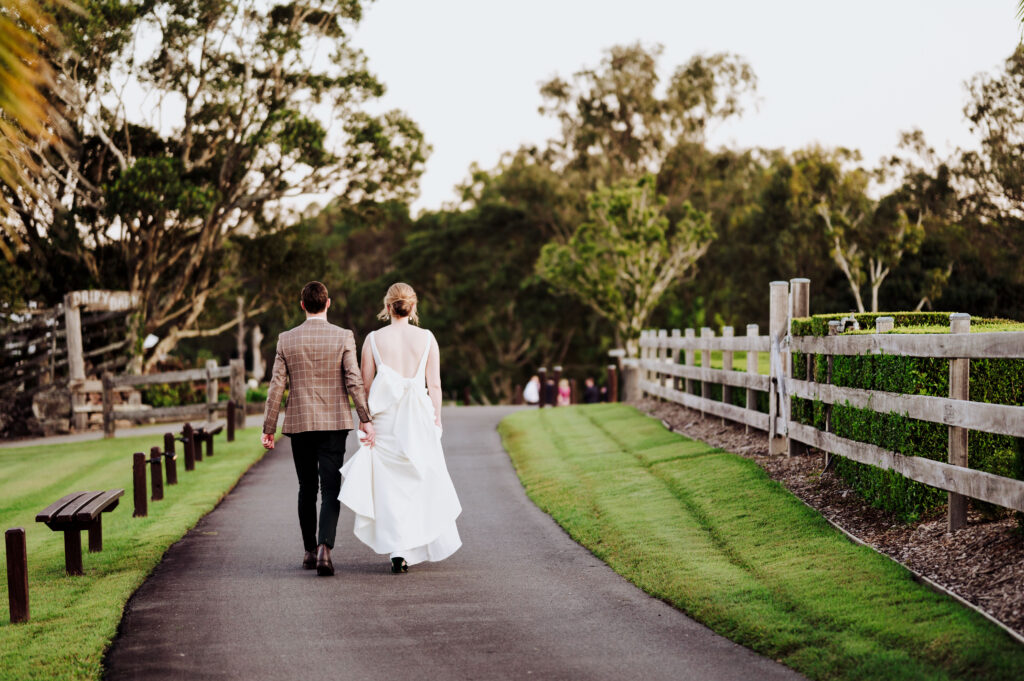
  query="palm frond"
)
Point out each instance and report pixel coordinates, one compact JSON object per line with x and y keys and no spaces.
{"x":27,"y":117}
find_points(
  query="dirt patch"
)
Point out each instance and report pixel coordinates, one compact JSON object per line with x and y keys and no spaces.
{"x":982,"y":563}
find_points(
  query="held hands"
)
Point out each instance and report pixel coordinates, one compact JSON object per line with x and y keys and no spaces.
{"x":267,"y":440}
{"x":370,"y":435}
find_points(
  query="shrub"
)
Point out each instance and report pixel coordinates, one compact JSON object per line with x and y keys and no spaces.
{"x":999,"y":381}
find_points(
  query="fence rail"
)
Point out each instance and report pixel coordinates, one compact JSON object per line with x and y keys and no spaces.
{"x":658,"y":372}
{"x":211,"y":374}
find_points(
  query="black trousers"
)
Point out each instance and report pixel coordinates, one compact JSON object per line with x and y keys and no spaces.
{"x":318,"y":457}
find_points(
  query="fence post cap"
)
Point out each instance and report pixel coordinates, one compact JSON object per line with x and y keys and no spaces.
{"x":780,"y":283}
{"x":690,"y":332}
{"x":959,"y":315}
{"x":752,"y":327}
{"x":799,"y":280}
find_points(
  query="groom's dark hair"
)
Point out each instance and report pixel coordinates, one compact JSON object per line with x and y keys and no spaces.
{"x":314,"y":297}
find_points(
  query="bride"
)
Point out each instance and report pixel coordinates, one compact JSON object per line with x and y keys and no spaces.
{"x":397,"y":482}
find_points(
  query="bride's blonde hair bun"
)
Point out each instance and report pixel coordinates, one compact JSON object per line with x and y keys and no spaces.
{"x":400,"y":301}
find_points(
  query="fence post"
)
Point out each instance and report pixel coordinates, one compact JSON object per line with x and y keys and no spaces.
{"x":727,"y":332}
{"x":688,"y":358}
{"x":556,"y":376}
{"x":211,"y":390}
{"x":108,"y":406}
{"x":801,"y":301}
{"x":197,"y":446}
{"x":17,"y":574}
{"x":664,"y":355}
{"x":752,"y":368}
{"x":644,"y":374}
{"x":706,"y":334}
{"x":208,"y":436}
{"x":677,"y":335}
{"x":189,"y":446}
{"x":959,"y":389}
{"x":170,"y":459}
{"x":884,"y":324}
{"x":778,"y":408}
{"x":542,"y":374}
{"x":156,"y":473}
{"x":138,"y":485}
{"x":574,"y":394}
{"x":231,"y":421}
{"x":237,"y":391}
{"x":613,"y":384}
{"x":834,"y":327}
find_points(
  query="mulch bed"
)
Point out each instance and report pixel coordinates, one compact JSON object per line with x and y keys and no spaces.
{"x":982,"y":563}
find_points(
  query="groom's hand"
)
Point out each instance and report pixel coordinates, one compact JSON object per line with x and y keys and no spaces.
{"x":268,"y":440}
{"x":371,"y":435}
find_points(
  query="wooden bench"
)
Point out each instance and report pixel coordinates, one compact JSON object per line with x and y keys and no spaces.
{"x":77,"y":512}
{"x":204,"y":432}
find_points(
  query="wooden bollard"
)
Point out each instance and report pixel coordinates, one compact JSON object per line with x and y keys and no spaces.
{"x":209,"y":444}
{"x":197,"y":445}
{"x":138,"y":487}
{"x":170,"y":459}
{"x":189,"y":444}
{"x":156,"y":471}
{"x":574,"y":394}
{"x":17,"y":574}
{"x":613,"y":383}
{"x":231,"y":420}
{"x":557,"y":378}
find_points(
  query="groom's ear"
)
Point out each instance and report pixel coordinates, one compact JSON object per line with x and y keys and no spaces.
{"x":328,"y":305}
{"x":302,"y":305}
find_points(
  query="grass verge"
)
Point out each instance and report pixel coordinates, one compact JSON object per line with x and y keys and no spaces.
{"x":73,"y":619}
{"x":710,"y":533}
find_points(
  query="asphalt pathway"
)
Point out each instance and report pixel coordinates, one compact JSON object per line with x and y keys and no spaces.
{"x":520,"y":600}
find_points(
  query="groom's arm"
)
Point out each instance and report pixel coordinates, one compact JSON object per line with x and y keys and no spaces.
{"x":277,"y":382}
{"x":353,"y":378}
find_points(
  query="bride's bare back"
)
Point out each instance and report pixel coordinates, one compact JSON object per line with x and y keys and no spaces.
{"x":401,"y":346}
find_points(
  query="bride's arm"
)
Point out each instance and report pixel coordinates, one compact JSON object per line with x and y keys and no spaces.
{"x":434,"y":378}
{"x":369,"y":367}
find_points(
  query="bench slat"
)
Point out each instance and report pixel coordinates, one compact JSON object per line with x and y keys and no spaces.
{"x":67,"y":514}
{"x":48,"y":513}
{"x":104,"y":502}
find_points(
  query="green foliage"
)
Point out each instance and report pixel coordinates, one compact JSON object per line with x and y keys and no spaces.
{"x":998,"y":381}
{"x":173,"y":394}
{"x":708,"y":532}
{"x":625,"y":256}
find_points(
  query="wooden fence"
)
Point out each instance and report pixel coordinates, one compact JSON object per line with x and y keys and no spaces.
{"x":211,"y":375}
{"x":658,"y":372}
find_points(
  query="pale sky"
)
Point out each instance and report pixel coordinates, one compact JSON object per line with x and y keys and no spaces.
{"x":836,"y":73}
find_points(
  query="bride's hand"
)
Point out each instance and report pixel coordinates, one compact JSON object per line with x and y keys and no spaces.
{"x":368,"y":430}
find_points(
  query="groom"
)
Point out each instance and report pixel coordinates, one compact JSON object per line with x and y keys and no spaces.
{"x":318,"y":361}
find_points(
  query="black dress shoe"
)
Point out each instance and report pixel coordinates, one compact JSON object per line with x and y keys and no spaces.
{"x":324,"y":566}
{"x":399,"y":565}
{"x":308,"y":560}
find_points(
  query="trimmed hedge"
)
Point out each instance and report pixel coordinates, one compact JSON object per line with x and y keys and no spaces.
{"x":999,"y":381}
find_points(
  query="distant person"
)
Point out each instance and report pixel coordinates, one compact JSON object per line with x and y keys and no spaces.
{"x":317,"y":360}
{"x":591,"y":395}
{"x":603,"y":394}
{"x":550,"y":392}
{"x":531,"y":392}
{"x":564,"y":393}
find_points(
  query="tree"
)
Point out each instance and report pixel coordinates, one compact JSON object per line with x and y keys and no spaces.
{"x":271,"y":99}
{"x":616,"y":123}
{"x":621,"y":261}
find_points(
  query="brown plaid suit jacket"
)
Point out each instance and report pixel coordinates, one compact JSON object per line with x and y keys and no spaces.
{"x":318,"y":361}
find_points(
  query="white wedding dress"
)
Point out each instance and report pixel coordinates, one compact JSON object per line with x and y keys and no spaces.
{"x":400,"y":490}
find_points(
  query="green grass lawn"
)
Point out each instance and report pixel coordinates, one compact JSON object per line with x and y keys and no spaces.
{"x":712,"y":534}
{"x":73,"y":619}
